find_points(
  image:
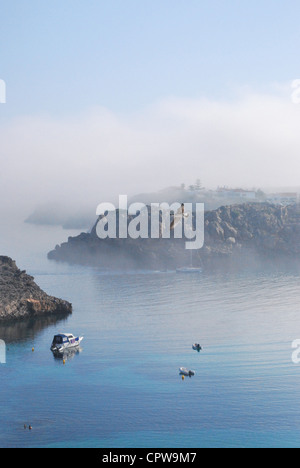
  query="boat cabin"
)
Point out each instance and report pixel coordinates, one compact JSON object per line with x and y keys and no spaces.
{"x":63,"y":339}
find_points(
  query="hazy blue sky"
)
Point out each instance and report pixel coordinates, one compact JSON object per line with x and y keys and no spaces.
{"x":120,"y":96}
{"x":61,"y":56}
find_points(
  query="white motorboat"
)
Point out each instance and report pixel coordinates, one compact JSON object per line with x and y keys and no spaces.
{"x":186,"y":372}
{"x":64,"y":342}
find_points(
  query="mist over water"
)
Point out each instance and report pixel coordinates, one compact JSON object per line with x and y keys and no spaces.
{"x":94,"y":155}
{"x":123,"y":388}
{"x":99,"y":99}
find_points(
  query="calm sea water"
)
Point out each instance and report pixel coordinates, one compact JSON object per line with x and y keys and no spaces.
{"x":123,"y":389}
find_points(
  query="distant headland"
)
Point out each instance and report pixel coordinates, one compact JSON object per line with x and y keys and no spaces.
{"x":82,"y":217}
{"x":237,"y":237}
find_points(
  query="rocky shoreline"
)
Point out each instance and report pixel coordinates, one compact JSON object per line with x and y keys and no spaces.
{"x":21,"y":297}
{"x":237,"y":237}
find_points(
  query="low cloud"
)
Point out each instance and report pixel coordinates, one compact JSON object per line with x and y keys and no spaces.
{"x":90,"y":158}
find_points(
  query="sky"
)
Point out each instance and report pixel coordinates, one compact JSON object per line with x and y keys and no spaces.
{"x":128,"y":96}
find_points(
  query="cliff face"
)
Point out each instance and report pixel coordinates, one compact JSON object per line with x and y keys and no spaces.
{"x":20,"y":297}
{"x":253,"y":235}
{"x":237,"y":236}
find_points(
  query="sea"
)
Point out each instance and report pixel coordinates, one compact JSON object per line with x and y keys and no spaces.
{"x":123,"y":388}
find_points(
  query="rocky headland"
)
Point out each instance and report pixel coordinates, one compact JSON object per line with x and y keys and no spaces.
{"x":21,"y":297}
{"x":237,"y":237}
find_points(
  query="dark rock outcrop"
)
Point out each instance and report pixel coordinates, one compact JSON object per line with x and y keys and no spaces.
{"x":20,"y":297}
{"x":236,"y":237}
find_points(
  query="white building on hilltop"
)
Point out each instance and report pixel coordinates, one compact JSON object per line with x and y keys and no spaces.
{"x":238,"y":194}
{"x":283,"y":198}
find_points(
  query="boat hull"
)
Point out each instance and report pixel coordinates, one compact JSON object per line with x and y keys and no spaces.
{"x":186,"y":372}
{"x":189,"y":270}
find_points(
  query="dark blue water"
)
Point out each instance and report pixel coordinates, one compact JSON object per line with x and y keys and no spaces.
{"x":123,"y":389}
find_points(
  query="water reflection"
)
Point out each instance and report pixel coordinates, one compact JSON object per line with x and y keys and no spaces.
{"x":27,"y":329}
{"x":67,"y":354}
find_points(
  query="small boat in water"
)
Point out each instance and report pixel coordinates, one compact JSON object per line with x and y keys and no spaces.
{"x":186,"y":372}
{"x":64,"y":342}
{"x":189,"y":270}
{"x":197,"y":347}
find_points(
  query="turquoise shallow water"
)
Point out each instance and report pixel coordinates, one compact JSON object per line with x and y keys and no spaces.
{"x":124,"y":390}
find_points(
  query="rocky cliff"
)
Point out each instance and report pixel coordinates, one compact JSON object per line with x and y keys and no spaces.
{"x":20,"y":297}
{"x":236,"y":237}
